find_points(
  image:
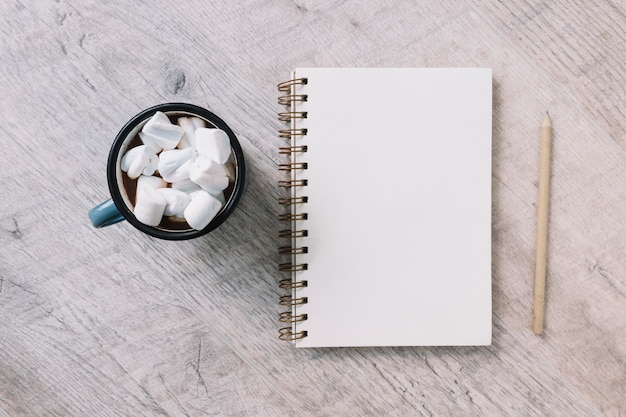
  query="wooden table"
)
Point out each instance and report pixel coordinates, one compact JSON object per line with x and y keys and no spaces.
{"x":111,"y":322}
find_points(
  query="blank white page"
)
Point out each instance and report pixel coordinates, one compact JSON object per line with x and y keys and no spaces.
{"x":399,"y":206}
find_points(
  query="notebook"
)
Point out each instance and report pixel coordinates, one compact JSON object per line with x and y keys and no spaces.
{"x":386,"y":237}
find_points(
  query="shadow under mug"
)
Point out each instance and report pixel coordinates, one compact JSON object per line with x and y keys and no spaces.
{"x":118,"y":207}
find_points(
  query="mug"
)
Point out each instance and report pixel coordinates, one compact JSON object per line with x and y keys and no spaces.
{"x":119,"y":207}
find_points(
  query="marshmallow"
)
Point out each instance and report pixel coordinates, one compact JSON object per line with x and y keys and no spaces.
{"x":229,"y":166}
{"x":149,"y":206}
{"x":197,"y":122}
{"x":150,"y":181}
{"x":186,"y":186}
{"x":208,"y":174}
{"x":213,"y":143}
{"x":219,"y":195}
{"x":170,"y":160}
{"x":153,"y":163}
{"x":134,"y":158}
{"x":179,"y":174}
{"x":165,"y":134}
{"x":150,"y":142}
{"x":139,"y":160}
{"x":175,"y":201}
{"x":195,"y":161}
{"x":201,"y":210}
{"x":189,"y":138}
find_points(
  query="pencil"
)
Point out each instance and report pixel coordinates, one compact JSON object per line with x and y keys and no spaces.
{"x":542,"y":225}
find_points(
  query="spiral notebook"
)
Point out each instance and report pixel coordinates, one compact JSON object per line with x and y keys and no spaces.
{"x":386,"y":237}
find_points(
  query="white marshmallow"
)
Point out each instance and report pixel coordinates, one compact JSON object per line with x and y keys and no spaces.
{"x":130,"y":156}
{"x":139,"y":160}
{"x":176,"y":201}
{"x":150,"y":142}
{"x":201,"y":210}
{"x":170,"y":160}
{"x":230,"y":169}
{"x":219,"y":195}
{"x":186,"y":186}
{"x":213,"y":143}
{"x":198,"y":122}
{"x":194,"y":193}
{"x":149,"y":206}
{"x":150,"y":181}
{"x":179,"y":174}
{"x":189,"y":138}
{"x":153,"y":163}
{"x":165,"y":134}
{"x":208,"y":174}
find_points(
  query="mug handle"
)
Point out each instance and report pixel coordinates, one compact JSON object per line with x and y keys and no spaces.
{"x":105,"y":214}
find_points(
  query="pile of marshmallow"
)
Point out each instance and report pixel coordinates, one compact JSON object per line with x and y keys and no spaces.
{"x":181,"y":169}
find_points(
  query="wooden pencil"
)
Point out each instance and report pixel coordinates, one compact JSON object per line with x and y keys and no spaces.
{"x":542,"y":225}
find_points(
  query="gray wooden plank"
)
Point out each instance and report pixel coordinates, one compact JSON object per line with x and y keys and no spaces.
{"x":111,"y":322}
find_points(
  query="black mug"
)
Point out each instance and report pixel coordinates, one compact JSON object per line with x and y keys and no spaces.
{"x":120,"y":206}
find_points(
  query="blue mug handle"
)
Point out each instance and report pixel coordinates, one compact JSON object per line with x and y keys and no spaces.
{"x":105,"y":214}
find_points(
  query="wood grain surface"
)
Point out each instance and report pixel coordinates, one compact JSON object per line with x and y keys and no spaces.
{"x":111,"y":322}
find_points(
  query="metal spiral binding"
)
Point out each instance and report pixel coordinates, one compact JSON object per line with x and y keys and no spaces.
{"x":290,"y":115}
{"x":288,"y":300}
{"x":287,"y":284}
{"x":290,"y":201}
{"x":288,"y":335}
{"x":290,"y":99}
{"x":288,"y":150}
{"x":288,"y":217}
{"x":287,"y":267}
{"x":287,"y":317}
{"x":290,"y":250}
{"x":293,"y":233}
{"x":293,"y":183}
{"x":292,"y":165}
{"x":286,"y":86}
{"x":290,"y":133}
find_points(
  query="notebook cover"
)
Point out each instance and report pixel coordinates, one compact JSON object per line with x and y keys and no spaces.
{"x":399,"y":206}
